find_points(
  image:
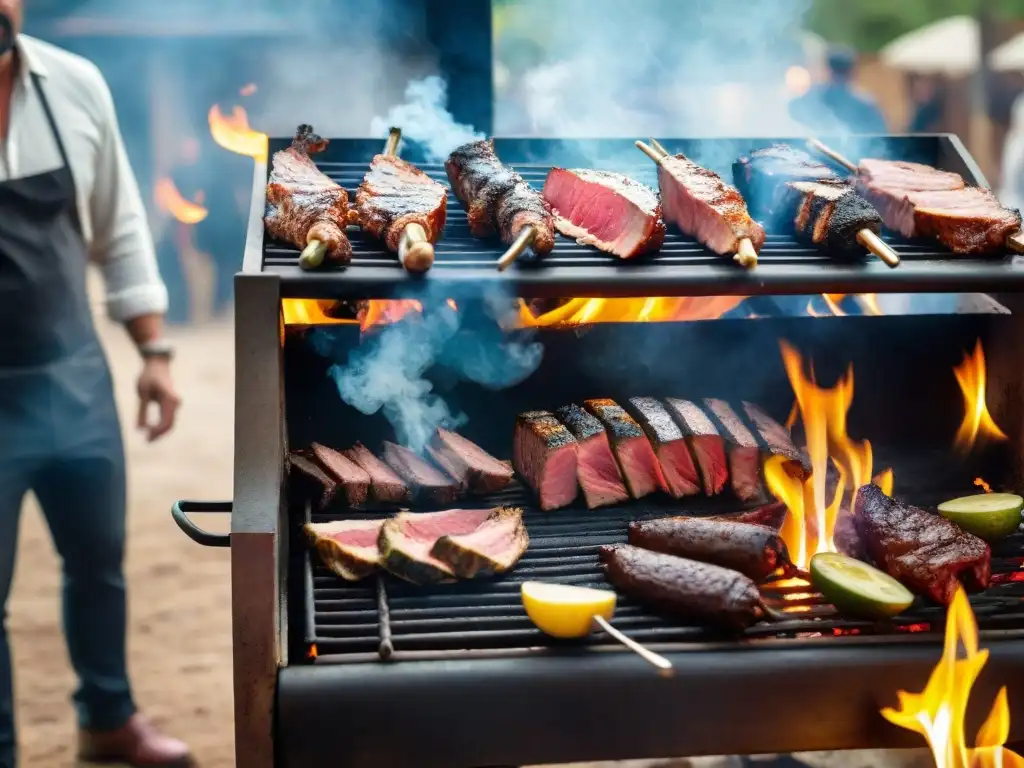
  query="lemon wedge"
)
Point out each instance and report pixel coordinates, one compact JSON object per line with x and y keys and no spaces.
{"x":562,"y":610}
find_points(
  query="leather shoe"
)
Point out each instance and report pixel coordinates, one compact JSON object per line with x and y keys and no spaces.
{"x":137,"y":743}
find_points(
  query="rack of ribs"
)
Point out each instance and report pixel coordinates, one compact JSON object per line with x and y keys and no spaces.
{"x":304,"y":207}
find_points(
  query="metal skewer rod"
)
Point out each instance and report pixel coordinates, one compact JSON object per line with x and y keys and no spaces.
{"x":832,"y":154}
{"x":879,"y":247}
{"x":519,"y":245}
{"x":664,"y":665}
{"x":415,"y":251}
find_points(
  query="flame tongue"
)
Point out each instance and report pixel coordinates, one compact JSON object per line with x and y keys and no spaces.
{"x":234,"y":134}
{"x":171,"y":200}
{"x":971,"y":377}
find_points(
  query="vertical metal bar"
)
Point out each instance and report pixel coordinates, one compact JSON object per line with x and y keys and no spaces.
{"x":258,"y":538}
{"x":461,"y":31}
{"x":252,"y":259}
{"x":386,"y":647}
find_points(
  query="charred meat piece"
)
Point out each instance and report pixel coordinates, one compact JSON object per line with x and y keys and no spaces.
{"x":687,"y":588}
{"x":639,"y":465}
{"x":756,"y":551}
{"x":829,"y":216}
{"x":743,"y":448}
{"x":407,"y":540}
{"x":670,"y":446}
{"x":315,"y":476}
{"x":496,"y":198}
{"x":770,"y":515}
{"x":385,"y":486}
{"x":845,"y":535}
{"x":347,"y":547}
{"x":302,"y":203}
{"x":596,"y":468}
{"x":924,"y":551}
{"x":468,"y":463}
{"x":759,"y":175}
{"x":350,"y":476}
{"x":395,"y":193}
{"x":775,"y":441}
{"x":702,"y":205}
{"x":545,"y":456}
{"x":494,"y":546}
{"x":427,"y":482}
{"x":609,"y":211}
{"x":707,"y":444}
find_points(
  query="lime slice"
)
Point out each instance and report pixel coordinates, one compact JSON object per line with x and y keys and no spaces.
{"x":992,"y":516}
{"x":564,"y":610}
{"x":858,"y":589}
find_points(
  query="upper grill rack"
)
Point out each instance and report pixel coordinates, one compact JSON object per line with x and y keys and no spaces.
{"x":682,"y":267}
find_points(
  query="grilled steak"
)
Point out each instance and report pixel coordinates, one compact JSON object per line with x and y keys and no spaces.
{"x":302,"y":203}
{"x":353,"y":480}
{"x":407,"y":540}
{"x":828,"y":215}
{"x":702,"y":205}
{"x":395,"y":193}
{"x":385,"y":486}
{"x":347,"y":547}
{"x":609,"y":211}
{"x":545,"y":456}
{"x":427,"y":482}
{"x":911,"y":177}
{"x":924,"y":551}
{"x":496,"y":198}
{"x":707,"y":445}
{"x":756,"y":551}
{"x":770,"y":515}
{"x":775,"y":441}
{"x":639,"y":465}
{"x":682,"y":587}
{"x":845,"y":536}
{"x":315,"y":476}
{"x":596,"y":469}
{"x":469,"y":464}
{"x":669,"y":445}
{"x":495,"y":546}
{"x":759,"y":175}
{"x":743,"y":450}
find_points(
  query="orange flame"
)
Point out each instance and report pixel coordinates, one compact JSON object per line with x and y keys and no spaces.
{"x":970,"y":375}
{"x":633,"y":310}
{"x":939,"y":711}
{"x":868,"y":303}
{"x":167,"y":196}
{"x":980,"y":482}
{"x":234,"y":134}
{"x":371,"y":313}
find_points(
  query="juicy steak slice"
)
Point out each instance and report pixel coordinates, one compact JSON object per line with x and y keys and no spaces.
{"x":770,"y":515}
{"x":639,"y":465}
{"x":924,"y":551}
{"x":776,"y":441}
{"x":495,"y":546}
{"x":496,"y":198}
{"x":428,"y":483}
{"x":911,"y":177}
{"x":347,"y":548}
{"x":407,"y":540}
{"x":385,"y":486}
{"x":829,"y":216}
{"x":545,"y":456}
{"x":315,"y":476}
{"x":607,"y":210}
{"x":302,"y":203}
{"x":669,"y":445}
{"x":702,"y":205}
{"x":395,"y":193}
{"x":707,"y":444}
{"x":760,"y":175}
{"x":675,"y":585}
{"x":596,"y":469}
{"x":350,"y":476}
{"x":469,"y":464}
{"x":744,"y":451}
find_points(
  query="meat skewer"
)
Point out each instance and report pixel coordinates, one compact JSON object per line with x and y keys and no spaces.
{"x":498,"y":200}
{"x":304,"y":207}
{"x":400,"y":204}
{"x":920,"y":201}
{"x":702,"y":205}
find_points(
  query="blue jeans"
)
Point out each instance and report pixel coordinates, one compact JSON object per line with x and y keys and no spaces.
{"x":60,"y":438}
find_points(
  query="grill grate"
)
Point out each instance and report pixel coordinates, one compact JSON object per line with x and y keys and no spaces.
{"x":388,"y":617}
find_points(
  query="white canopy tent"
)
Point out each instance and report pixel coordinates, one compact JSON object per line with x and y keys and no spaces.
{"x":1009,"y":57}
{"x":950,"y":46}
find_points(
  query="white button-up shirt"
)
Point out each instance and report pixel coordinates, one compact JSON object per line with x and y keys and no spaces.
{"x":110,"y":207}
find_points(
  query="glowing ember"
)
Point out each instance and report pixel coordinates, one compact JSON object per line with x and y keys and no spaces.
{"x":383,"y":312}
{"x":170,"y":199}
{"x":371,"y":313}
{"x":312,"y":652}
{"x":639,"y":310}
{"x":234,"y":134}
{"x":980,"y":482}
{"x":970,"y":375}
{"x":938,"y":712}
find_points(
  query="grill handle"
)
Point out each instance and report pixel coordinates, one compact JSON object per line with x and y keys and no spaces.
{"x":180,"y":510}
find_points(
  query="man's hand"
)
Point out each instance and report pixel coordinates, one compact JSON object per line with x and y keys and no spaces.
{"x":156,"y":387}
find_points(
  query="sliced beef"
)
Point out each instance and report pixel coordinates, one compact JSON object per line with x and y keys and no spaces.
{"x":407,"y":540}
{"x":707,"y":444}
{"x":468,"y":463}
{"x":926,"y":552}
{"x":354,"y":481}
{"x":776,"y":441}
{"x":385,"y":486}
{"x":545,"y":456}
{"x":743,"y":450}
{"x":760,"y":175}
{"x":899,"y":174}
{"x":829,"y":216}
{"x":669,"y":445}
{"x":325,"y":486}
{"x":347,"y":547}
{"x":596,"y":469}
{"x":639,"y":465}
{"x":607,"y":210}
{"x":494,"y":546}
{"x":395,"y":193}
{"x":427,"y":482}
{"x":968,"y":222}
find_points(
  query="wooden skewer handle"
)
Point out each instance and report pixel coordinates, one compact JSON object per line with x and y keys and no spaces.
{"x":517,"y":248}
{"x":415,"y":250}
{"x":1015,"y":242}
{"x":394,"y":137}
{"x":832,"y":154}
{"x":651,"y":153}
{"x":313,"y":254}
{"x":663,"y":664}
{"x":879,"y":247}
{"x":746,"y":256}
{"x":660,"y":149}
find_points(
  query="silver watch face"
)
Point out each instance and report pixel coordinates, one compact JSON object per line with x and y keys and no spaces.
{"x":157,"y":349}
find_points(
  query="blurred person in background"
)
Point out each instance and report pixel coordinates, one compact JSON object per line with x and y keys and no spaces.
{"x":67,"y":194}
{"x":1011,"y":188}
{"x":928,"y":100}
{"x":838,"y":106}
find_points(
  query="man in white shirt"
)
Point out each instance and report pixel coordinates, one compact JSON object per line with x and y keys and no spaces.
{"x":68,"y":195}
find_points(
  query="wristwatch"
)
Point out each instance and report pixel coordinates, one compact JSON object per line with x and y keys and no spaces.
{"x":156,"y":348}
